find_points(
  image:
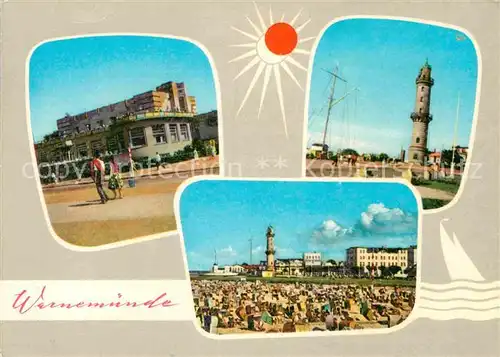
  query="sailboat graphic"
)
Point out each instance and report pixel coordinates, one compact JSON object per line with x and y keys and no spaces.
{"x":458,"y":263}
{"x":468,"y":296}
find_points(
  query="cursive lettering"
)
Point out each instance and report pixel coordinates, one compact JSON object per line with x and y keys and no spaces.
{"x":25,"y":302}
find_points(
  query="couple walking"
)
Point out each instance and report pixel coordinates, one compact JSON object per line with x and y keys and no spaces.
{"x":98,"y":175}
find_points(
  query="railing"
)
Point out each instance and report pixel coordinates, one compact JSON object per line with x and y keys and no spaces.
{"x":421,"y":117}
{"x":158,"y":115}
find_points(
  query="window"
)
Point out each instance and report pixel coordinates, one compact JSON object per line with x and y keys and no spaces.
{"x":174,"y":135}
{"x":421,"y":89}
{"x":184,"y":132}
{"x":96,"y":145}
{"x":82,"y":150}
{"x":137,"y":137}
{"x":420,"y":110}
{"x":417,"y":140}
{"x":415,"y":156}
{"x":159,"y":133}
{"x":421,"y":99}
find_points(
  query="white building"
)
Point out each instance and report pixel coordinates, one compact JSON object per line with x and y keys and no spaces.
{"x":238,"y":269}
{"x":312,"y":259}
{"x":378,"y":257}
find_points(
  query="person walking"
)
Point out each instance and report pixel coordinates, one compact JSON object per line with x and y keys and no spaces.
{"x":213,"y":151}
{"x":97,"y":173}
{"x":158,"y":161}
{"x":115,"y":181}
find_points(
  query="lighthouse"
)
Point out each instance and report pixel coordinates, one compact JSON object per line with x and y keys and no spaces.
{"x":270,"y":251}
{"x":421,"y":116}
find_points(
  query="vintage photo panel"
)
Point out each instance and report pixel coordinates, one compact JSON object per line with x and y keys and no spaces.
{"x":392,"y":98}
{"x":118,"y":122}
{"x":300,"y":255}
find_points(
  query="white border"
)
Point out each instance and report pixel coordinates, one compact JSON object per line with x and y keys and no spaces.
{"x":32,"y":147}
{"x":414,"y":20}
{"x":413,"y":314}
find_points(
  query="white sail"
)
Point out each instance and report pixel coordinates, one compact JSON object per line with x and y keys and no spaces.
{"x":458,"y":263}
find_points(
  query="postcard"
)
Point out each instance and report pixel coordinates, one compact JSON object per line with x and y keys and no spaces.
{"x":249,"y":178}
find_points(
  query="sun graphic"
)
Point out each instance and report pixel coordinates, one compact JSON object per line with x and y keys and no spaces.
{"x":271,"y":51}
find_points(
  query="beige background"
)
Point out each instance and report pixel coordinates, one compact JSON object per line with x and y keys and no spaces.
{"x":28,"y":250}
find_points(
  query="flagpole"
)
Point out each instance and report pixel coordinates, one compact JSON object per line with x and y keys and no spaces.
{"x":452,"y":166}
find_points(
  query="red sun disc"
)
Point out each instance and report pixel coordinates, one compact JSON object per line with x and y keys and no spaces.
{"x":281,"y":39}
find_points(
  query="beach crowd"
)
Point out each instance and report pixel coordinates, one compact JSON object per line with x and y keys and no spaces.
{"x":224,"y":307}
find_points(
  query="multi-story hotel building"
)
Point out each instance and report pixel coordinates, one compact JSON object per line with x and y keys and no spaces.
{"x":378,"y":257}
{"x":169,"y":97}
{"x":159,"y":120}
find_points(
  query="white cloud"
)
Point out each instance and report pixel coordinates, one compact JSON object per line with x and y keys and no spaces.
{"x":328,"y":232}
{"x":331,"y":229}
{"x":379,"y":219}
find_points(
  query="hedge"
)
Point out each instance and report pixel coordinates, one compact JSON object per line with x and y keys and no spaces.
{"x":72,"y":170}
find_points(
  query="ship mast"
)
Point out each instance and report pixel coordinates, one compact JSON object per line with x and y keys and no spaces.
{"x":330,"y":101}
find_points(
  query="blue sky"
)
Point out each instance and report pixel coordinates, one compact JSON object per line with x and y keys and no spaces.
{"x":383,"y":58}
{"x":82,"y":74}
{"x":326,"y":217}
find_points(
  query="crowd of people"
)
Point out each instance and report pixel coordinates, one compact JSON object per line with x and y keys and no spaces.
{"x":224,"y":307}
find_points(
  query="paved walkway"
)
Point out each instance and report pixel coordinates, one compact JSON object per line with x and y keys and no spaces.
{"x":128,"y":208}
{"x":427,"y":192}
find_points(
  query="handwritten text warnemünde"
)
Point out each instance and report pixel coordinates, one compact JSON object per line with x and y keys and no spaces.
{"x":25,"y":302}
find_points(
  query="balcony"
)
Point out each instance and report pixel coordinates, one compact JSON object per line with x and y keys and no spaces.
{"x":424,"y":80}
{"x":421,"y":117}
{"x":154,"y":115}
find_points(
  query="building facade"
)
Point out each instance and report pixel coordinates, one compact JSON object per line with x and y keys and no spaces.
{"x":289,"y":266}
{"x":412,"y":255}
{"x":312,"y":259}
{"x":435,"y":158}
{"x":421,"y":116}
{"x":206,"y":126}
{"x":169,"y":97}
{"x":146,"y":134}
{"x":379,"y":257}
{"x":238,"y":269}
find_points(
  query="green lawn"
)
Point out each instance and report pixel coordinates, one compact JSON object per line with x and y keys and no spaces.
{"x":315,"y":280}
{"x":443,"y":186}
{"x":432,"y":203}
